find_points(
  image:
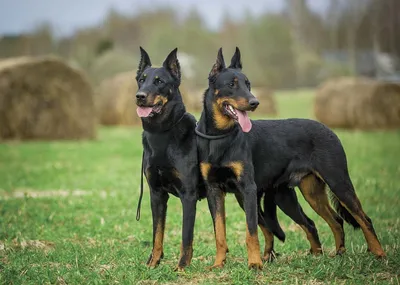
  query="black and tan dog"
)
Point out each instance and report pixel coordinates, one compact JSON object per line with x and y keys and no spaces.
{"x":253,"y":158}
{"x":170,"y":154}
{"x":170,"y":160}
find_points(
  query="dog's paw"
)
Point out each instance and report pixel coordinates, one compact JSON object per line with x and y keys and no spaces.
{"x":153,"y":261}
{"x":340,"y":251}
{"x":270,"y":256}
{"x":217,"y":266}
{"x":255,"y":265}
{"x":317,"y":251}
{"x":179,"y":268}
{"x":380,"y":255}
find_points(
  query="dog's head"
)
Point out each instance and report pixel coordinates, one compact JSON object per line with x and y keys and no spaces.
{"x":156,"y":86}
{"x":231,"y":93}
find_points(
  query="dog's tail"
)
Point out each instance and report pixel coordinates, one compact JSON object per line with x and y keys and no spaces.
{"x":343,"y":212}
{"x":271,"y":219}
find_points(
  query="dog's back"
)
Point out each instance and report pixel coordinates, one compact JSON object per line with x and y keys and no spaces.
{"x":285,"y":149}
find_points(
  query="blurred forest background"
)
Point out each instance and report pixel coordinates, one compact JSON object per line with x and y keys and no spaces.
{"x":295,"y":47}
{"x":350,"y":49}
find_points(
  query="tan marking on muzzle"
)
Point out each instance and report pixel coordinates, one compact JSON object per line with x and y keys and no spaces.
{"x":240,"y":103}
{"x":159,"y":99}
{"x":221,"y":121}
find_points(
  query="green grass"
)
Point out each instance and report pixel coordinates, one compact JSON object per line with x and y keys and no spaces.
{"x":79,"y":200}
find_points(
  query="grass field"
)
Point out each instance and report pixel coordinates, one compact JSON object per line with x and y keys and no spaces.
{"x":67,"y":216}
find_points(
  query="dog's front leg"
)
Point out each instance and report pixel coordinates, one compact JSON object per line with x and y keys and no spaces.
{"x":216,"y":204}
{"x":189,"y":216}
{"x":252,"y":243}
{"x":159,"y":201}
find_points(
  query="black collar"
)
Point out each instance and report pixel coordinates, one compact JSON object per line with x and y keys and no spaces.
{"x":200,"y":134}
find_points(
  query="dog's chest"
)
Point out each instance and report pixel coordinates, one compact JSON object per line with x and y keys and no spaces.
{"x":165,"y":178}
{"x":223,"y":170}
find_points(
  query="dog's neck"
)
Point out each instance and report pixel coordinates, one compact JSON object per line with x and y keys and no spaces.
{"x":212,"y":121}
{"x":172,"y":112}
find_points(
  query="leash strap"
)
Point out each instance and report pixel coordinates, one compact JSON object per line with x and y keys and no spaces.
{"x":141,"y":191}
{"x":200,"y":134}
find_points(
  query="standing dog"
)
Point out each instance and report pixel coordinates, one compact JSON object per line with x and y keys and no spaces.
{"x":170,"y":155}
{"x":170,"y":160}
{"x":252,"y":158}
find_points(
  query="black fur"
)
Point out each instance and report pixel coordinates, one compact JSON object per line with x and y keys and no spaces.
{"x":170,"y":153}
{"x":276,"y":155}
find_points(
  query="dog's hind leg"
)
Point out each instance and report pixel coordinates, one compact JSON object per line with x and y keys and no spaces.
{"x":313,"y":190}
{"x":269,"y":253}
{"x":286,"y":199}
{"x":350,"y":208}
{"x":216,"y":204}
{"x":159,"y":201}
{"x":189,"y":215}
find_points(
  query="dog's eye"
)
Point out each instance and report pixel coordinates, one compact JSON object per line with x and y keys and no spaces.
{"x":158,"y":81}
{"x":232,"y":84}
{"x":141,"y":80}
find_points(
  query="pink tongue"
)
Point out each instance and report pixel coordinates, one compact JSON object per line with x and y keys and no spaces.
{"x":244,"y":120}
{"x":143,"y":111}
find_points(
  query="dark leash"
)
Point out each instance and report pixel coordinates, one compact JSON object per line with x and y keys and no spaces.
{"x":142,"y":171}
{"x":200,"y":134}
{"x":141,"y":192}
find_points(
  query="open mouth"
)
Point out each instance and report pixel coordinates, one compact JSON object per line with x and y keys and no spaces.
{"x":230,"y":111}
{"x":238,"y":115}
{"x":149,"y":111}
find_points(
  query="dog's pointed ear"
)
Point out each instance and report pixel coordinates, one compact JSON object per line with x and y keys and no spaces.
{"x":144,"y":61}
{"x":218,"y":65}
{"x":171,"y":63}
{"x":236,"y":61}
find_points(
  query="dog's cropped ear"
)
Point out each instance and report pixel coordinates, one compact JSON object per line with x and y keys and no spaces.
{"x":171,"y":63}
{"x":236,"y":61}
{"x":218,"y":65}
{"x":144,"y":62}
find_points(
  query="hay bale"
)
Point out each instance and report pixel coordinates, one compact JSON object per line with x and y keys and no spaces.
{"x":358,"y":103}
{"x":266,"y":98}
{"x":44,"y":98}
{"x":115,"y":100}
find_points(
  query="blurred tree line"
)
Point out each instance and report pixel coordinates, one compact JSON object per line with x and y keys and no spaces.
{"x":295,"y":47}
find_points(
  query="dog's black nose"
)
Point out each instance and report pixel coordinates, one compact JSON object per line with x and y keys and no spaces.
{"x":254,"y":103}
{"x":140,"y":96}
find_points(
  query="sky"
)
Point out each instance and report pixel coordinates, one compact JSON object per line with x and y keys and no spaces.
{"x":66,"y":16}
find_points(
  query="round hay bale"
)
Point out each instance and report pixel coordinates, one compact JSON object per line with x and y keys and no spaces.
{"x":44,"y":98}
{"x":358,"y":103}
{"x":266,"y":98}
{"x":115,"y":100}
